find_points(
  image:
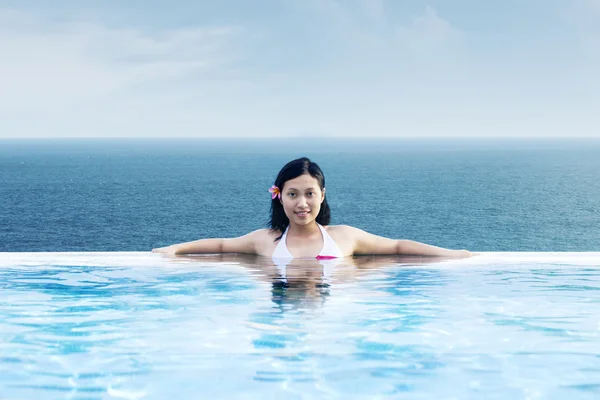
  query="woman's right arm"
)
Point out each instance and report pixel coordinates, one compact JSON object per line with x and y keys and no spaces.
{"x":243,"y":244}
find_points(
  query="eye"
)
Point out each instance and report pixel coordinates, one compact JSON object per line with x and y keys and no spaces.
{"x":291,"y":194}
{"x":311,"y":193}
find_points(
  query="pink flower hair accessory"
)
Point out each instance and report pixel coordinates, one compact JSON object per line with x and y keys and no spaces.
{"x":275,"y":192}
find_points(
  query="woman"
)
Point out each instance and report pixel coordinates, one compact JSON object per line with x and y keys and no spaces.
{"x":299,"y":227}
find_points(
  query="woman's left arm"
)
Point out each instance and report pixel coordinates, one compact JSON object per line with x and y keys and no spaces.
{"x":368,"y":244}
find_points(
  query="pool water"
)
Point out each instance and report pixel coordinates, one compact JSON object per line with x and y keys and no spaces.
{"x":145,"y":326}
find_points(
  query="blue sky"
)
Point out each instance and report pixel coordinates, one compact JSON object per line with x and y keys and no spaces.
{"x":279,"y":68}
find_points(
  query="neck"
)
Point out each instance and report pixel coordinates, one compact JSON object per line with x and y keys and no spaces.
{"x":303,"y":230}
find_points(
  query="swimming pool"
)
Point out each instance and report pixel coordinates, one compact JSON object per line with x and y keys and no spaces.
{"x":142,"y":326}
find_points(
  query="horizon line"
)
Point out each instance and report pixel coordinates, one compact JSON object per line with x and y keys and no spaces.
{"x":180,"y":138}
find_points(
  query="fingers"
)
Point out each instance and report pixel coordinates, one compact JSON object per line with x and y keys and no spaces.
{"x":164,"y":250}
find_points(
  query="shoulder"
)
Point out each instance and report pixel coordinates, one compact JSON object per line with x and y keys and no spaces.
{"x":346,"y":237}
{"x":258,"y":242}
{"x":356,"y":235}
{"x":263,"y":234}
{"x":264,"y":241}
{"x":343,"y":231}
{"x":264,"y":238}
{"x":254,"y":238}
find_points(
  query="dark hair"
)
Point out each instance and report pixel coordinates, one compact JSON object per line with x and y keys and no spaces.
{"x":298,"y":295}
{"x":293,"y":169}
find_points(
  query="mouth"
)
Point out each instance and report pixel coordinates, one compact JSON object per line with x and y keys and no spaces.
{"x":302,"y":214}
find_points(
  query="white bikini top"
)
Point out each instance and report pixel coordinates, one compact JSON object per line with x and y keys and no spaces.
{"x":329,"y":250}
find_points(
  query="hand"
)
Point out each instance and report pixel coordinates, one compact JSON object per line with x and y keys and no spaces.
{"x":462,"y":253}
{"x":169,"y":250}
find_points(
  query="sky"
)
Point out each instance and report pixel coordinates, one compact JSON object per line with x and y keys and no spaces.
{"x":299,"y":68}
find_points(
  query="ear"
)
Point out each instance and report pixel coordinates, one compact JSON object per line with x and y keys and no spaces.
{"x":322,"y":195}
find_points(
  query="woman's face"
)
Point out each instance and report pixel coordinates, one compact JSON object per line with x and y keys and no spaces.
{"x":301,"y":198}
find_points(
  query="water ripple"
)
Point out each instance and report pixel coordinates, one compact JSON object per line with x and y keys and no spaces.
{"x":373,"y":328}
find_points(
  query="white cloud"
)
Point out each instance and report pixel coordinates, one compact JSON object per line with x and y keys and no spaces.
{"x":51,"y":68}
{"x":583,"y":19}
{"x":594,"y":5}
{"x":375,"y":9}
{"x":361,"y":68}
{"x":429,"y":32}
{"x":78,"y":78}
{"x":372,"y":31}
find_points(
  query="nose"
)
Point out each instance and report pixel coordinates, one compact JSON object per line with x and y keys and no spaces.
{"x":302,"y":202}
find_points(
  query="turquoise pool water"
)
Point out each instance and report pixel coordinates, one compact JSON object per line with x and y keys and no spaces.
{"x":142,"y":326}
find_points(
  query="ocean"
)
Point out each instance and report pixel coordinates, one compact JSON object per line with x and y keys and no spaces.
{"x":135,"y":194}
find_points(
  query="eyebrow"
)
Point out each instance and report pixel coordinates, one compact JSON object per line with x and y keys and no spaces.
{"x":292,"y":188}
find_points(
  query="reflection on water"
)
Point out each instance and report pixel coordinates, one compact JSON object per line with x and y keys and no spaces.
{"x":217,"y":326}
{"x":306,"y":285}
{"x":300,"y":284}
